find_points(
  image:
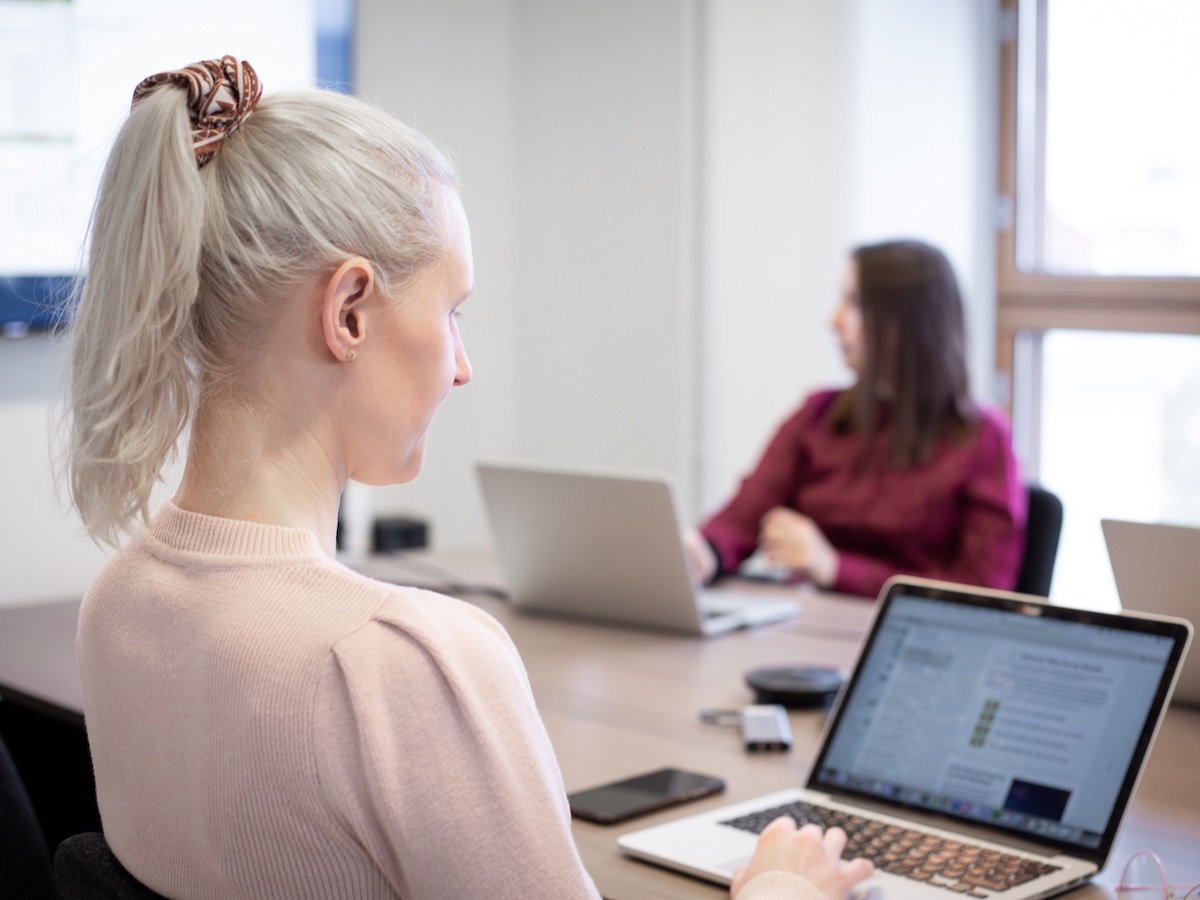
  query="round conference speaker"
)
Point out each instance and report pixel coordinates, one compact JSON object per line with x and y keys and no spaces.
{"x":795,"y":687}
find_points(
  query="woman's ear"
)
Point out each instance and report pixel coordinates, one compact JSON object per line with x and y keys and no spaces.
{"x":343,"y":321}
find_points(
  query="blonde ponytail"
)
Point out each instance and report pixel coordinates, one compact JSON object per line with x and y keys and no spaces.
{"x":186,"y":264}
{"x":132,"y":343}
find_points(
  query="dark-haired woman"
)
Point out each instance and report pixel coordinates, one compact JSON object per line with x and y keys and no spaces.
{"x":899,"y":474}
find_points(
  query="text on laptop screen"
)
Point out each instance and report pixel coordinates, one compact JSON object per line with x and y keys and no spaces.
{"x":1027,"y":722}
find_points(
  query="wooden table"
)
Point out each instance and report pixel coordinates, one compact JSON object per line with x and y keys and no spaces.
{"x":617,"y":702}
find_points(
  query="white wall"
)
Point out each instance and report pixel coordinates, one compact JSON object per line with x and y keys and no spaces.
{"x":779,"y":83}
{"x":574,"y":127}
{"x":688,"y":179}
{"x":606,"y":118}
{"x":925,"y":140}
{"x":45,"y":555}
{"x":830,"y":125}
{"x":661,"y":197}
{"x":447,"y":67}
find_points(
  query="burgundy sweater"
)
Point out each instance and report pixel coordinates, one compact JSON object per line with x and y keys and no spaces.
{"x":960,"y":516}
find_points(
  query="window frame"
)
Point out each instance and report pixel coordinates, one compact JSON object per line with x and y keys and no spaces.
{"x":1028,"y":305}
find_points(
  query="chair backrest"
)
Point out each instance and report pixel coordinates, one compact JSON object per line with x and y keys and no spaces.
{"x":85,"y":867}
{"x":1041,"y":542}
{"x":24,"y":858}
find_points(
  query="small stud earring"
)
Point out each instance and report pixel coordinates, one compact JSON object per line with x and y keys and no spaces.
{"x":349,"y":355}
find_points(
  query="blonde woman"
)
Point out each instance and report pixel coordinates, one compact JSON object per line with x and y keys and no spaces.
{"x":281,"y":280}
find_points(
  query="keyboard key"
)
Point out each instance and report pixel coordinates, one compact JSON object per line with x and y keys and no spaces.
{"x":951,"y":864}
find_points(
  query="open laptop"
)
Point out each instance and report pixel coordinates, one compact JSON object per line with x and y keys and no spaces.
{"x":1157,"y":569}
{"x":972,"y":717}
{"x":606,"y":546}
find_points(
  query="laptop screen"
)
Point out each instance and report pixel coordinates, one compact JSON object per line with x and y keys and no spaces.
{"x":1022,"y":716}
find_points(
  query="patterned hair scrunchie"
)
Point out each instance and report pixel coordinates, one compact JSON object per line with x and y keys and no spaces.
{"x":221,"y":93}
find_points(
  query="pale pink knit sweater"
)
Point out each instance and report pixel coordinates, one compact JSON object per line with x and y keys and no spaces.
{"x":265,"y":722}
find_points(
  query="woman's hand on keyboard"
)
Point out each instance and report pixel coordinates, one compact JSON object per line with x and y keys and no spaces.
{"x":807,"y":852}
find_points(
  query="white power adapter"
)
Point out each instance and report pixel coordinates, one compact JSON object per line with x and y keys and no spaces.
{"x":765,"y":727}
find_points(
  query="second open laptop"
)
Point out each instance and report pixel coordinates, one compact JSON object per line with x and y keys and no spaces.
{"x":606,"y":546}
{"x":987,"y":744}
{"x":1157,"y":570}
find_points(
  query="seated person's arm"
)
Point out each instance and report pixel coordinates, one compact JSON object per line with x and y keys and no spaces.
{"x":433,"y":754}
{"x":793,"y":540}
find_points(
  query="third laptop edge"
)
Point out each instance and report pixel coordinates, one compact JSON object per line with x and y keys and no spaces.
{"x":1157,"y":570}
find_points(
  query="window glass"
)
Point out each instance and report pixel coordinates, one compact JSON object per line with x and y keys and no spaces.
{"x":1120,"y":438}
{"x":1109,"y":166}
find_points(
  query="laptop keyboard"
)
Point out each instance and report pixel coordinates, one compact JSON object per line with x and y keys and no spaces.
{"x":959,"y":867}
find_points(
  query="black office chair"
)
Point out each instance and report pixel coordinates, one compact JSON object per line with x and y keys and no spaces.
{"x":1041,"y":542}
{"x":24,"y":858}
{"x":86,"y":868}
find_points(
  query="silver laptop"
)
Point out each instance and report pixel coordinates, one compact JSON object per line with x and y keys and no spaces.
{"x":1157,"y":569}
{"x":606,"y":546}
{"x":973,"y":718}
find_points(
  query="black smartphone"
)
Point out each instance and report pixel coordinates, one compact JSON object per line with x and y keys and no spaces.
{"x":621,"y":800}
